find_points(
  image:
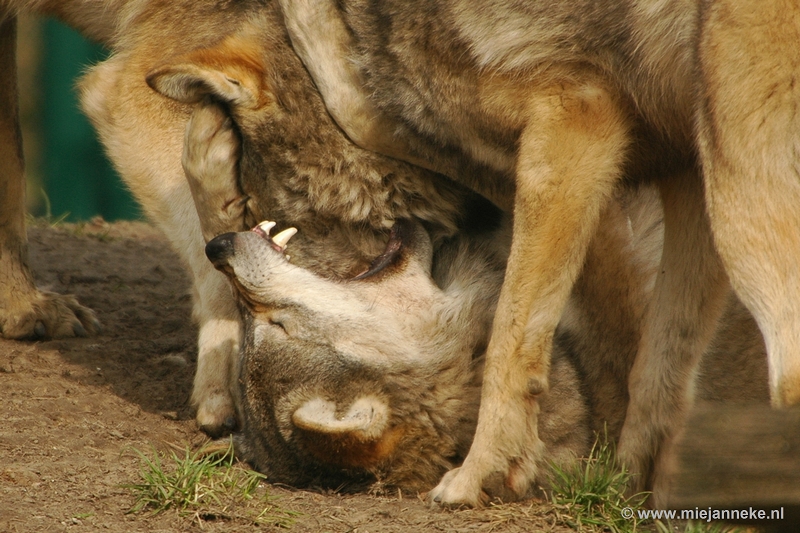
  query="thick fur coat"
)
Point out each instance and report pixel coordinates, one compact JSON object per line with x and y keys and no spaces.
{"x":545,"y":108}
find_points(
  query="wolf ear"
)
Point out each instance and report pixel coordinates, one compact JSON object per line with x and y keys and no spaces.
{"x":232,"y":71}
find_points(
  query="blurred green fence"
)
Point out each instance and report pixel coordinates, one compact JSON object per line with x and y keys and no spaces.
{"x":75,"y":174}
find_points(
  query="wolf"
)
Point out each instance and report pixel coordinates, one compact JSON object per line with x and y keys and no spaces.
{"x":295,"y":167}
{"x":546,"y":108}
{"x":377,"y":377}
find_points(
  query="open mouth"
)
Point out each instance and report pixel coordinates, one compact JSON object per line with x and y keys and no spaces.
{"x":390,"y":255}
{"x":394,"y":246}
{"x":279,"y":241}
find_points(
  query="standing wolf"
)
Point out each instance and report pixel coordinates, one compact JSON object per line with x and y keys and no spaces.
{"x":545,"y":107}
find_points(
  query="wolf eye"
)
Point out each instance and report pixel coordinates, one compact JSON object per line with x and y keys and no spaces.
{"x":279,"y":324}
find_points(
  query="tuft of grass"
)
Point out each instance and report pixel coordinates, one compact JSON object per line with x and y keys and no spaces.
{"x":48,"y":219}
{"x":207,"y":484}
{"x":590,"y":495}
{"x":592,"y":492}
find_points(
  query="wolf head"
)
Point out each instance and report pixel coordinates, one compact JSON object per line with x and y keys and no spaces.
{"x":296,"y":163}
{"x":341,"y":380}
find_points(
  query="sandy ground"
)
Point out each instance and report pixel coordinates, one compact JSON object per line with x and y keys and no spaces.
{"x":71,"y":411}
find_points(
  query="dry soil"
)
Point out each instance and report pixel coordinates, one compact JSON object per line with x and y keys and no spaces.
{"x":72,"y":411}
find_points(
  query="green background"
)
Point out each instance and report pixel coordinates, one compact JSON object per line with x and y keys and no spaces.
{"x":76,"y":176}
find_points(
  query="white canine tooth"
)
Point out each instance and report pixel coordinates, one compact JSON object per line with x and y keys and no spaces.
{"x":266,"y":226}
{"x":283,"y":237}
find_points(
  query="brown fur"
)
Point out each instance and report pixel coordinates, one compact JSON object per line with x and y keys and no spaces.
{"x":562,"y":101}
{"x":292,"y":149}
{"x":276,"y":138}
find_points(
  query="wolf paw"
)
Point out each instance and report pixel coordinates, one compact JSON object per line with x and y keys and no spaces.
{"x":211,"y":153}
{"x":502,"y":463}
{"x":462,"y":487}
{"x":636,"y":456}
{"x":458,"y":489}
{"x":216,"y":416}
{"x":38,"y":314}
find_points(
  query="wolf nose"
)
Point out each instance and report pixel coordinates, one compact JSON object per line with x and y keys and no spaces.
{"x":220,"y":249}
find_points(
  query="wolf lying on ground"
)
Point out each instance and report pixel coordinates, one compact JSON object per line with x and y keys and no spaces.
{"x":378,"y":377}
{"x":545,"y":108}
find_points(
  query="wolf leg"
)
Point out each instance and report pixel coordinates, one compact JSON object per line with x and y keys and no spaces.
{"x":750,"y":146}
{"x":133,"y":120}
{"x":25,"y":311}
{"x":688,"y":299}
{"x":570,"y":158}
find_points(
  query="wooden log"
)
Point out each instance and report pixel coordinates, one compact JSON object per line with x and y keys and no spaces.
{"x":738,"y":458}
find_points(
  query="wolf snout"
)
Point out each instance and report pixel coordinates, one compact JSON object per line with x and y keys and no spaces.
{"x":220,"y":249}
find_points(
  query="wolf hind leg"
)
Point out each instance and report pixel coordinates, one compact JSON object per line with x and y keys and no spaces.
{"x":688,"y":299}
{"x":750,"y":147}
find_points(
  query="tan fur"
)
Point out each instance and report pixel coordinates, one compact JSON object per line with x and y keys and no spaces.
{"x":410,"y":352}
{"x":239,"y":55}
{"x":610,"y":91}
{"x":753,"y":187}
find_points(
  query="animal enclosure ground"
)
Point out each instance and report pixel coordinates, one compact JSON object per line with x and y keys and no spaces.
{"x":72,"y":411}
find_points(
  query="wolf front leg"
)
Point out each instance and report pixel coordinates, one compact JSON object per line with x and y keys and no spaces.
{"x":133,"y":120}
{"x":570,"y":157}
{"x":25,"y":311}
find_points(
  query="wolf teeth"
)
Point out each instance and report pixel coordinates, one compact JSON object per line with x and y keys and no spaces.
{"x":266,"y":226}
{"x":283,"y":237}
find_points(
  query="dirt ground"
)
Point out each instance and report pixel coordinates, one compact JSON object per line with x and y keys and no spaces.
{"x":71,"y":411}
